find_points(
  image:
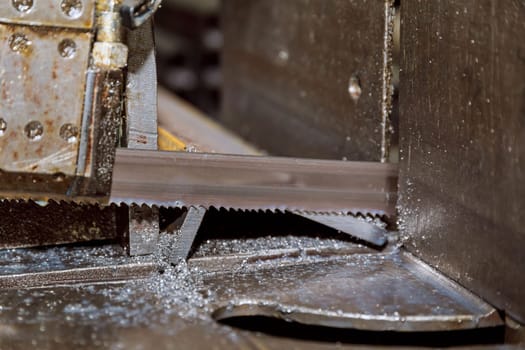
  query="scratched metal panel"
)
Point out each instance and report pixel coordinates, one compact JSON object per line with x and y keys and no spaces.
{"x":141,"y":127}
{"x":42,"y":80}
{"x":462,"y":193}
{"x":141,"y":89}
{"x":288,"y":68}
{"x":53,"y":13}
{"x":380,"y":292}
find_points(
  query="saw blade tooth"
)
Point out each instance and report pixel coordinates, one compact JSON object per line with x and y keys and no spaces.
{"x":179,"y":205}
{"x":271,"y":208}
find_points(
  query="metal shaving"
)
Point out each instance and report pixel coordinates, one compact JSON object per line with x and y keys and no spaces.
{"x":213,"y":247}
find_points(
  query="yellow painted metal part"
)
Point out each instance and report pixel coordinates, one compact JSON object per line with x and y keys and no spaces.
{"x":168,"y":142}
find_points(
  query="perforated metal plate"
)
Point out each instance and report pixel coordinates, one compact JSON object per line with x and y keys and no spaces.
{"x":52,"y":13}
{"x":42,"y":81}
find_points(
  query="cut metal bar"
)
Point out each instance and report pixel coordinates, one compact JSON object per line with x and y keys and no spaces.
{"x":350,"y":225}
{"x":247,"y":182}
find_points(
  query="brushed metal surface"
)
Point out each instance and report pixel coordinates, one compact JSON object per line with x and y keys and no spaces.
{"x":141,"y":89}
{"x":250,"y":182}
{"x":462,"y":93}
{"x":290,"y":74}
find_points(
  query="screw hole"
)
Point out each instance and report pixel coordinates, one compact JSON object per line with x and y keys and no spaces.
{"x":67,"y":48}
{"x":23,"y":6}
{"x":71,"y":8}
{"x":34,"y":130}
{"x":19,"y":42}
{"x":69,"y":133}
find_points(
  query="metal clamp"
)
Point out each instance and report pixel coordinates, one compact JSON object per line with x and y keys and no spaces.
{"x":134,"y":16}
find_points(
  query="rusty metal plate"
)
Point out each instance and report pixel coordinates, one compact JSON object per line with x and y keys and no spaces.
{"x":42,"y":81}
{"x":363,"y":291}
{"x":51,"y":13}
{"x":462,"y":93}
{"x":309,"y":78}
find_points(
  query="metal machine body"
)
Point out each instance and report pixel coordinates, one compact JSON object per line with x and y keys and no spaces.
{"x":67,"y":58}
{"x":350,"y":248}
{"x":69,"y":98}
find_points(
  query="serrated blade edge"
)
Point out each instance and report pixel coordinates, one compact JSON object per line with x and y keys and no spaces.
{"x":181,"y":179}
